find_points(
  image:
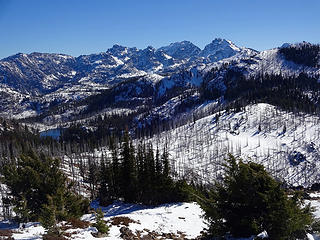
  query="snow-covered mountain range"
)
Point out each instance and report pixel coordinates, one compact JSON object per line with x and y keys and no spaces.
{"x":42,"y":73}
{"x":56,"y":87}
{"x":31,"y":83}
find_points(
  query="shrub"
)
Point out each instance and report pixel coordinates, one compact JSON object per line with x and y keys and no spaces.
{"x":77,"y":223}
{"x":121,"y":221}
{"x":5,"y":233}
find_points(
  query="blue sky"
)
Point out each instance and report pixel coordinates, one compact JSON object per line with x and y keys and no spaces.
{"x":87,"y":26}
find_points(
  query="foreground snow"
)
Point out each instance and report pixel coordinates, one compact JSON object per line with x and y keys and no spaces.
{"x":168,"y":218}
{"x":182,"y":220}
{"x":32,"y":231}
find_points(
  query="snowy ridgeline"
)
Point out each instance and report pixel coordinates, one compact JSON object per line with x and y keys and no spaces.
{"x":287,"y":144}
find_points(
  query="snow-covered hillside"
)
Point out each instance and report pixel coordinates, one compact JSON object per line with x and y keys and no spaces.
{"x":287,"y":144}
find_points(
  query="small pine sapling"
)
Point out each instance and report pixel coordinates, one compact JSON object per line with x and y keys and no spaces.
{"x":102,"y":227}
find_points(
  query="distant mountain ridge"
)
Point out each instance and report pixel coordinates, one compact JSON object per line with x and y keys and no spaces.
{"x":43,"y":72}
{"x":40,"y":83}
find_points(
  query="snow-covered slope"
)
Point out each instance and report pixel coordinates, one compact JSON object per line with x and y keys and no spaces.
{"x":287,"y":144}
{"x":181,"y":218}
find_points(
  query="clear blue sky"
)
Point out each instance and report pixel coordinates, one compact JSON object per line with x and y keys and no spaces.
{"x":88,"y":26}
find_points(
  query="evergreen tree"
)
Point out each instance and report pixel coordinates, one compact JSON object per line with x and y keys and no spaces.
{"x":93,"y":177}
{"x":129,"y":173}
{"x":165,"y":163}
{"x":39,"y":187}
{"x":48,"y":217}
{"x":140,"y":171}
{"x":106,"y":190}
{"x":103,"y":179}
{"x":249,"y":201}
{"x":116,"y":170}
{"x":158,"y":163}
{"x":100,"y":224}
{"x":149,"y":176}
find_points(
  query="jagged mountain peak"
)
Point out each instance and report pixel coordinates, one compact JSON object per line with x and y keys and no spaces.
{"x":15,"y":57}
{"x":117,"y":47}
{"x":37,"y":56}
{"x":122,"y":52}
{"x":118,"y":50}
{"x":219,"y":49}
{"x":61,"y":55}
{"x":225,"y":42}
{"x":179,"y":44}
{"x":181,"y":50}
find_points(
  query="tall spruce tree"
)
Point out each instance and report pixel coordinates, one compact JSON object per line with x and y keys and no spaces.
{"x":115,"y":169}
{"x":129,"y":173}
{"x":158,"y":163}
{"x":93,"y":177}
{"x":165,"y":162}
{"x":106,"y":193}
{"x":140,"y":171}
